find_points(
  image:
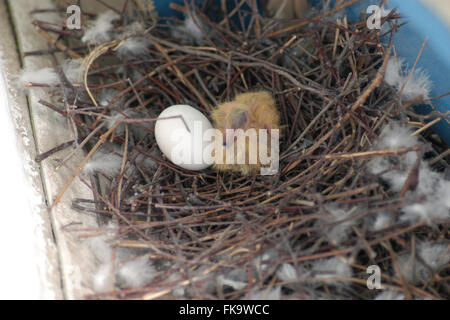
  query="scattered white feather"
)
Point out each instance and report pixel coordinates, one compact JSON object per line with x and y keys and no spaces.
{"x":273,"y":294}
{"x":129,"y":271}
{"x":339,"y":231}
{"x":264,"y":261}
{"x":434,"y":255}
{"x":102,"y":160}
{"x":101,"y":248}
{"x":74,"y":70}
{"x":331,"y":268}
{"x":436,"y":193}
{"x":136,"y":273}
{"x":132,"y":29}
{"x":395,"y":178}
{"x":45,"y":76}
{"x":189,"y":31}
{"x":100,"y":245}
{"x":382,"y":221}
{"x":133,"y":47}
{"x":406,"y":264}
{"x":101,"y":278}
{"x":109,"y":161}
{"x":394,"y":75}
{"x":396,"y":135}
{"x":436,"y":205}
{"x":107,"y":96}
{"x":418,"y":84}
{"x":100,"y":30}
{"x":432,"y":187}
{"x":430,"y":181}
{"x":236,"y":285}
{"x":390,"y":295}
{"x":177,"y":291}
{"x":287,"y":272}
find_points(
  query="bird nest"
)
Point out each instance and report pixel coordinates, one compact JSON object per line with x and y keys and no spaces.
{"x":349,"y":191}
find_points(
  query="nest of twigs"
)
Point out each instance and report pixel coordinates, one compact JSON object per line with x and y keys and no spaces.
{"x":222,"y":235}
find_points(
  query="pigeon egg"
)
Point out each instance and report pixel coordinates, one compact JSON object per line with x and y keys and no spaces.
{"x":179,"y":133}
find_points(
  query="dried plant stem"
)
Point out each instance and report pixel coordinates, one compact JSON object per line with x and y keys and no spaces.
{"x":97,"y":52}
{"x":58,"y":44}
{"x":78,"y":169}
{"x":122,"y":169}
{"x":325,"y":201}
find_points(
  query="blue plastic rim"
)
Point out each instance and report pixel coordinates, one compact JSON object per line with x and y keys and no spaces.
{"x":421,"y":24}
{"x":162,"y":7}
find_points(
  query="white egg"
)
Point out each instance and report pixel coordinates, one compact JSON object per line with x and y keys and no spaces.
{"x":182,"y":146}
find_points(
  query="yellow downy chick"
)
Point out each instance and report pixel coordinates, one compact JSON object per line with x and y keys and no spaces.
{"x":253,"y":110}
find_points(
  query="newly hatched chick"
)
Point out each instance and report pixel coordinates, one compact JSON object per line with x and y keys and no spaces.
{"x":253,"y":110}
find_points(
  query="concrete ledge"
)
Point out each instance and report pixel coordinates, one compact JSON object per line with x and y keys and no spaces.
{"x":67,"y":263}
{"x":29,"y":267}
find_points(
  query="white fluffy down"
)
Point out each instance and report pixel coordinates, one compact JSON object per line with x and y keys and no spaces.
{"x":107,"y":96}
{"x":46,"y":76}
{"x":382,"y":221}
{"x":323,"y":270}
{"x":436,"y":191}
{"x":236,"y":285}
{"x":331,"y":268}
{"x":434,"y":255}
{"x":340,"y":219}
{"x":104,"y":161}
{"x":271,"y":294}
{"x":396,"y":135}
{"x":110,"y":163}
{"x":133,"y":47}
{"x":189,"y":31}
{"x":100,"y":29}
{"x":390,"y":295}
{"x":74,"y":70}
{"x":130,"y":271}
{"x":394,"y":71}
{"x":418,"y":84}
{"x":432,"y":187}
{"x":135,"y":273}
{"x":263,"y":262}
{"x":287,"y":272}
{"x":101,"y":279}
